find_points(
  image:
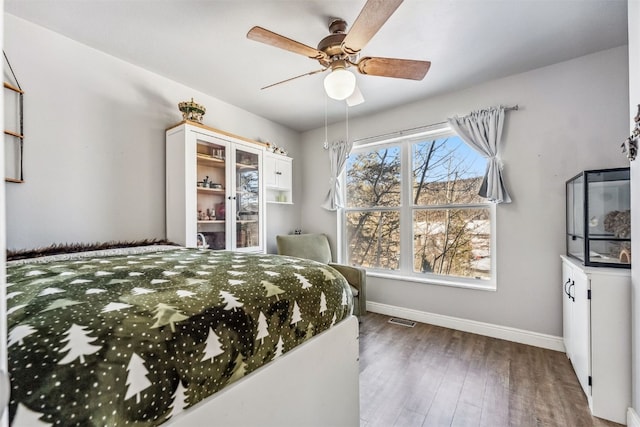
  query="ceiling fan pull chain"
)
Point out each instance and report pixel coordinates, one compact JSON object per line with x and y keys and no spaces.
{"x":347,"y":120}
{"x":326,"y":132}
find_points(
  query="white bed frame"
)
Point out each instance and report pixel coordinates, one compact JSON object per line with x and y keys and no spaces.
{"x":314,"y":385}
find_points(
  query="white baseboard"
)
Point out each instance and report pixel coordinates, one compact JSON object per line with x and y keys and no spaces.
{"x":490,"y":330}
{"x":633,"y":420}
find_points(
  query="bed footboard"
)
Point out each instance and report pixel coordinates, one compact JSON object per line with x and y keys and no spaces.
{"x":314,"y":385}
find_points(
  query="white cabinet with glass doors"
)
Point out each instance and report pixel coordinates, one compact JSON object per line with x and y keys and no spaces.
{"x":215,"y":196}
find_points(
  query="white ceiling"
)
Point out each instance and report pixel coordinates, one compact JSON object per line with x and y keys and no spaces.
{"x":203,"y":44}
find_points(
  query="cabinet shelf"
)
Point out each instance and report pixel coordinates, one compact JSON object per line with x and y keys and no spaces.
{"x":242,"y":166}
{"x":204,"y":159}
{"x":211,"y":190}
{"x":14,"y":148}
{"x":275,"y":202}
{"x":211,"y":221}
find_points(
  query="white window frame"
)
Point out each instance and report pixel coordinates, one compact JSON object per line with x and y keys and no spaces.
{"x":405,"y":271}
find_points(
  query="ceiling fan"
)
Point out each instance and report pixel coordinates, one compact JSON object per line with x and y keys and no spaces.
{"x":340,"y":50}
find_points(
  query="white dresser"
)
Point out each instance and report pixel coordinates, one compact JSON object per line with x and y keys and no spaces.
{"x":597,"y":334}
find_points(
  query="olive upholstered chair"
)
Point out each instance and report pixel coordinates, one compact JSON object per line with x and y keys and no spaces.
{"x":316,"y":247}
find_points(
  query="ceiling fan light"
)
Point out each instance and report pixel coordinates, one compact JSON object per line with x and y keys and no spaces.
{"x":339,"y":84}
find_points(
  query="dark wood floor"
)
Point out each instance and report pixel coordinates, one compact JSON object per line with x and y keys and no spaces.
{"x":432,"y":376}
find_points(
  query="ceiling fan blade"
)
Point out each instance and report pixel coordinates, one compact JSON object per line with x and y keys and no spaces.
{"x":262,"y":35}
{"x":393,"y":67}
{"x":372,"y":16}
{"x":310,"y":73}
{"x":356,"y":98}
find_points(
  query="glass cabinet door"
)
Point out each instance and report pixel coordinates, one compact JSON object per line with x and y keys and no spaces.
{"x":247,"y":198}
{"x":211,"y":195}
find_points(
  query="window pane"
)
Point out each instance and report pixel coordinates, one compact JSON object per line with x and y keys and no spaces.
{"x":455,"y":242}
{"x":374,"y":239}
{"x":373,"y":178}
{"x":446,"y":171}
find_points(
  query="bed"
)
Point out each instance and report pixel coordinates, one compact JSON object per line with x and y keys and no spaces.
{"x":167,"y":335}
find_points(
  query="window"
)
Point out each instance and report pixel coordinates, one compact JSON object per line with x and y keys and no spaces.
{"x":412,"y":210}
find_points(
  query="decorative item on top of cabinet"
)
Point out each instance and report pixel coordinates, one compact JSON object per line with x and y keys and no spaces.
{"x":214,"y":193}
{"x":191,"y":111}
{"x":597,"y":334}
{"x":278,"y":178}
{"x":14,"y":130}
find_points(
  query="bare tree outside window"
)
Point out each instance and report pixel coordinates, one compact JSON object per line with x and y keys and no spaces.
{"x":450,"y":224}
{"x":373,"y":182}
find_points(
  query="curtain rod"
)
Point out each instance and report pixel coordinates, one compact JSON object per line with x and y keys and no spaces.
{"x":424,"y":127}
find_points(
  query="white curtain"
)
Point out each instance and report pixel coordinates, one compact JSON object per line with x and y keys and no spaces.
{"x":482,"y":130}
{"x":338,"y":153}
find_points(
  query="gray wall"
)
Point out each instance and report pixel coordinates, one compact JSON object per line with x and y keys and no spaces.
{"x":573,"y":116}
{"x":94,"y":147}
{"x":634,"y":100}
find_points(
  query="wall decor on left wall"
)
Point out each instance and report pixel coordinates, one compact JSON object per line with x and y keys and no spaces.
{"x":14,"y":130}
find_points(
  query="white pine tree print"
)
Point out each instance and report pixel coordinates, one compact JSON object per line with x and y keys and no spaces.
{"x":60,"y":303}
{"x":167,"y":315}
{"x":115,"y":306}
{"x":136,"y":377}
{"x":328,"y":275}
{"x":310,"y":331}
{"x":263,"y":329}
{"x":78,"y":344}
{"x":344,"y":297}
{"x":235,"y":282}
{"x":19,"y":333}
{"x":50,"y":291}
{"x":303,"y":280}
{"x":141,"y":291}
{"x":94,"y":291}
{"x":323,"y":302}
{"x":182,"y":293}
{"x":272,"y":290}
{"x":27,"y":417}
{"x":295,"y":316}
{"x":34,"y":273}
{"x":213,"y":346}
{"x":118,"y":281}
{"x":170,"y":273}
{"x":103,"y":273}
{"x":179,"y":401}
{"x":279,"y":347}
{"x":231,"y":301}
{"x":239,"y":370}
{"x":16,"y":308}
{"x":13,"y":294}
{"x":333,"y":320}
{"x":66,"y":273}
